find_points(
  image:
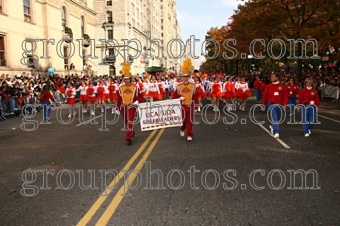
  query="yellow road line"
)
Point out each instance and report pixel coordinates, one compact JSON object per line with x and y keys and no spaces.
{"x":94,"y":208}
{"x":104,"y":219}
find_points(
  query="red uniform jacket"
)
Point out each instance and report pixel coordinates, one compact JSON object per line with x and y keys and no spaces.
{"x":309,"y":96}
{"x":275,"y":93}
{"x":125,"y":91}
{"x":293,"y":90}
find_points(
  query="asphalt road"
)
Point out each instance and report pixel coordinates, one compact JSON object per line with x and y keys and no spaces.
{"x":230,"y":174}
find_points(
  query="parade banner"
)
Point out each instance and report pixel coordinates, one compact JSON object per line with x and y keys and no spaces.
{"x":160,"y":114}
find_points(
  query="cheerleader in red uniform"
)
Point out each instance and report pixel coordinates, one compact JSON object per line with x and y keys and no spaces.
{"x":141,"y":87}
{"x":216,"y":92}
{"x":83,"y":96}
{"x":70,"y":93}
{"x":100,"y":92}
{"x":199,"y":91}
{"x":229,"y":91}
{"x":106,"y":92}
{"x":161,"y":87}
{"x":152,"y":90}
{"x":243,"y":93}
{"x":91,"y":95}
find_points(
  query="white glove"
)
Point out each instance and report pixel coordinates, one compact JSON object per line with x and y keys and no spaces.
{"x":181,"y":98}
{"x":136,"y":102}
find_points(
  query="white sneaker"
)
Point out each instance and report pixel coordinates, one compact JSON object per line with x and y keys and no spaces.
{"x":306,"y":135}
{"x":271,"y":129}
{"x":92,"y":112}
{"x":69,"y":116}
{"x":276,"y":135}
{"x":182,"y":133}
{"x":309,"y":132}
{"x":189,"y":138}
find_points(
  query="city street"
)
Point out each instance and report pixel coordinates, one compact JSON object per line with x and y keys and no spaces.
{"x":233,"y":174}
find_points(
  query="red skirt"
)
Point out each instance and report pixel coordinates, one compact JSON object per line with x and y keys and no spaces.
{"x":101,"y":96}
{"x":83,"y":98}
{"x":229,"y":95}
{"x":71,"y":101}
{"x":200,"y":93}
{"x":152,"y":94}
{"x":91,"y":99}
{"x":216,"y":94}
{"x":243,"y":94}
{"x":113,"y":96}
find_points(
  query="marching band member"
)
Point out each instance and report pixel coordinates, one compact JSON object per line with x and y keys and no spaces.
{"x":309,"y":101}
{"x":186,"y":92}
{"x":70,"y":93}
{"x":127,"y":102}
{"x":275,"y":95}
{"x":257,"y":87}
{"x":293,"y":94}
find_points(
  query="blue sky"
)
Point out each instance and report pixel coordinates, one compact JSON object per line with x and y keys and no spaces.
{"x":197,"y":17}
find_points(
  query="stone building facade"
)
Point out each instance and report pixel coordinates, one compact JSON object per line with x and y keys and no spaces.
{"x":138,"y":31}
{"x":28,"y":25}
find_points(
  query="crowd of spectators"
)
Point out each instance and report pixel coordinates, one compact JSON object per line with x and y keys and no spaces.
{"x":21,"y":89}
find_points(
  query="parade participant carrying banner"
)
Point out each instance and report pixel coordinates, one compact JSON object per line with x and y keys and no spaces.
{"x":160,"y":114}
{"x":186,"y":91}
{"x":127,"y":102}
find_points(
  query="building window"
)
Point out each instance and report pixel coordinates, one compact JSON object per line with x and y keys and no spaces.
{"x":82,"y":26}
{"x":109,"y":34}
{"x":1,"y":6}
{"x":109,"y":17}
{"x":63,"y":17}
{"x":112,"y":70}
{"x":66,"y":59}
{"x":30,"y":59}
{"x":109,"y":3}
{"x":2,"y":51}
{"x":27,"y":10}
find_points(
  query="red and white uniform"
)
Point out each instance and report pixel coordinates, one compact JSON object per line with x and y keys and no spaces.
{"x":106,"y":91}
{"x":200,"y":90}
{"x":229,"y":90}
{"x":82,"y":90}
{"x":70,"y":93}
{"x":152,"y":89}
{"x":113,"y":88}
{"x":161,"y":87}
{"x":100,"y":92}
{"x":309,"y":96}
{"x":216,"y":90}
{"x":243,"y":91}
{"x":91,"y":93}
